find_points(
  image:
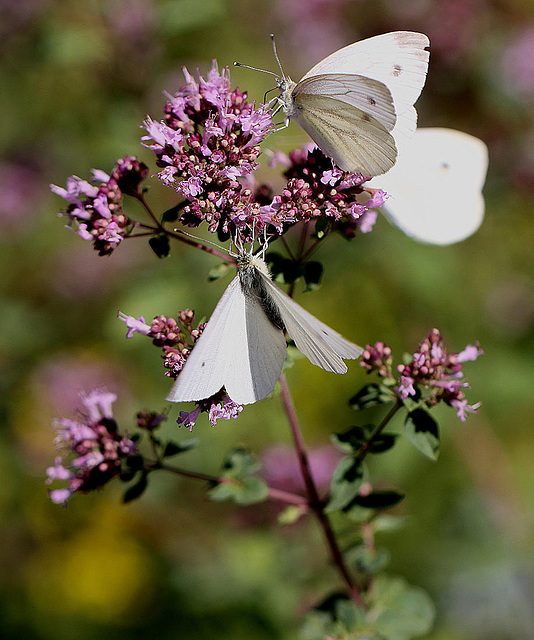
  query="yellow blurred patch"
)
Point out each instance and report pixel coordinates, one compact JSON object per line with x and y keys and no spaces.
{"x":101,"y":573}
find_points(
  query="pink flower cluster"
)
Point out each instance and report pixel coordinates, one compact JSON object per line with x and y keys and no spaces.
{"x":431,"y":370}
{"x":316,"y":188}
{"x":96,"y":445}
{"x":95,"y":211}
{"x":207,"y":143}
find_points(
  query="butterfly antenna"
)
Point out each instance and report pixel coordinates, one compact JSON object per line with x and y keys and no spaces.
{"x":246,"y":66}
{"x":276,"y":56}
{"x":201,"y":240}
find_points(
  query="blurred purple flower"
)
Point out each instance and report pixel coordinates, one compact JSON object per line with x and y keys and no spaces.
{"x":20,"y":189}
{"x":517,"y":64}
{"x":322,"y":27}
{"x":280,"y":468}
{"x":93,"y":449}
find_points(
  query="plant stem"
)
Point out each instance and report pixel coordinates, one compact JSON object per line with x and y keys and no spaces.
{"x":366,"y":446}
{"x":314,"y":501}
{"x":274,"y":494}
{"x":159,"y":228}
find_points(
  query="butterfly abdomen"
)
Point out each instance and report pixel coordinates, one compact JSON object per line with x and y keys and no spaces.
{"x":254,"y":288}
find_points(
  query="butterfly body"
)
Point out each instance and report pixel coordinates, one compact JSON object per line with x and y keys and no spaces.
{"x":243,"y":346}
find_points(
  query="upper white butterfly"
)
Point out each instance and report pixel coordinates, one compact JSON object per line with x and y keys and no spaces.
{"x":357,"y":104}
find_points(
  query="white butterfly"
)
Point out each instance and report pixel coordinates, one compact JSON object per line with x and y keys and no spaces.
{"x":357,"y":104}
{"x":243,"y":346}
{"x":435,"y":188}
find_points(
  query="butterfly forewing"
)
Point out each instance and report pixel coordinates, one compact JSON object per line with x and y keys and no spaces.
{"x":258,"y":358}
{"x":215,"y":352}
{"x":366,"y":94}
{"x":353,"y":139}
{"x":398,"y":60}
{"x":322,"y":345}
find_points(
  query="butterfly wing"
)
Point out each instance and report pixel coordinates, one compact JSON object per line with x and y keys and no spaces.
{"x":204,"y":372}
{"x":366,"y":94}
{"x":435,"y":187}
{"x":398,"y":60}
{"x":239,"y":349}
{"x":322,"y":345}
{"x":259,"y":357}
{"x":352,"y":138}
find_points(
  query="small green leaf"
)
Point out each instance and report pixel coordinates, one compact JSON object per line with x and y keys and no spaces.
{"x":137,"y":489}
{"x":346,"y":483}
{"x":275,"y":261}
{"x":321,"y":226}
{"x":240,"y":462}
{"x":371,"y":395}
{"x":251,"y":490}
{"x":400,"y":611}
{"x":290,"y":515}
{"x":221,"y":492}
{"x":219,"y":271}
{"x":383,"y":442}
{"x":313,"y":272}
{"x":377,"y":500}
{"x":369,"y":561}
{"x":423,"y":432}
{"x":160,"y":245}
{"x":349,"y":614}
{"x":127,"y":476}
{"x":244,"y":491}
{"x":172,"y":448}
{"x":172,"y":214}
{"x":135,"y":462}
{"x":351,"y":440}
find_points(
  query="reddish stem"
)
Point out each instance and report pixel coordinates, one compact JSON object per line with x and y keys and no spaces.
{"x":314,"y":501}
{"x":274,"y":494}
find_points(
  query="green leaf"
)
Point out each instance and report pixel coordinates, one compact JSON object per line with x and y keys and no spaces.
{"x":173,"y":448}
{"x":251,"y":490}
{"x":400,"y":611}
{"x":219,"y":271}
{"x":244,"y":491}
{"x":371,"y":395}
{"x":221,"y":492}
{"x":349,"y":614}
{"x":351,"y":440}
{"x":290,"y":515}
{"x":383,"y":442}
{"x":172,"y":214}
{"x":313,"y":272}
{"x":135,"y":462}
{"x":240,"y":462}
{"x":423,"y":432}
{"x":160,"y":245}
{"x":137,"y":489}
{"x":377,"y":500}
{"x":321,"y":226}
{"x":346,"y":483}
{"x":369,"y":561}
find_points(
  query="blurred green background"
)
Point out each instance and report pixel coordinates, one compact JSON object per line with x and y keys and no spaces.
{"x":77,"y":79}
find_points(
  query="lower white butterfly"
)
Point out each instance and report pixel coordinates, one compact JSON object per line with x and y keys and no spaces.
{"x":243,"y":346}
{"x":435,"y":189}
